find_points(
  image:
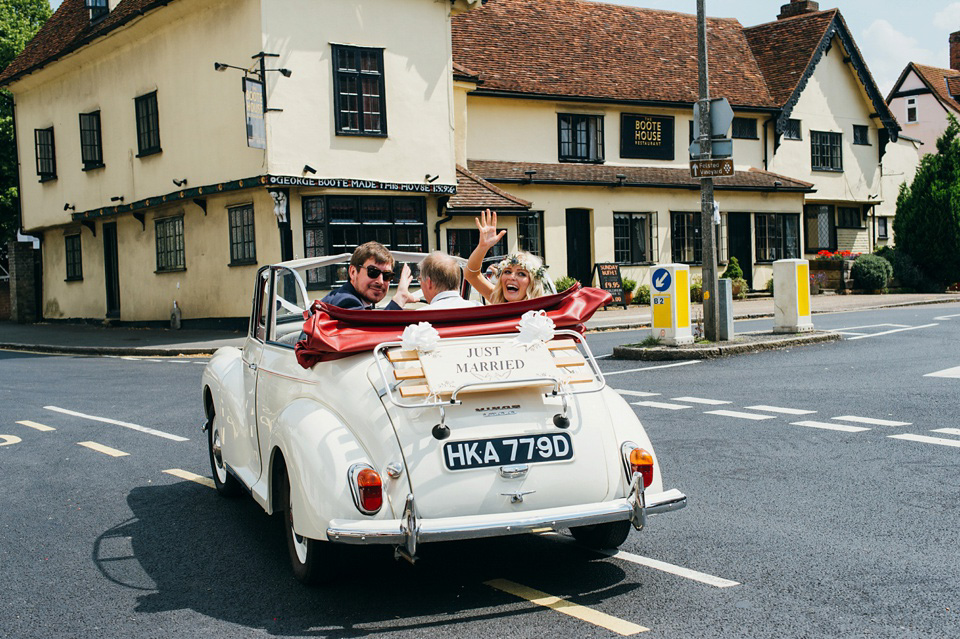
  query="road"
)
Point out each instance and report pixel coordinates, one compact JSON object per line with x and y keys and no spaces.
{"x":822,"y":492}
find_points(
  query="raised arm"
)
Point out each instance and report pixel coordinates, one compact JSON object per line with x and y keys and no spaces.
{"x":403,"y":296}
{"x":487,"y":224}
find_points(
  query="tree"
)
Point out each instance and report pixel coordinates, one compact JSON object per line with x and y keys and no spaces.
{"x":19,"y":22}
{"x":927,"y":225}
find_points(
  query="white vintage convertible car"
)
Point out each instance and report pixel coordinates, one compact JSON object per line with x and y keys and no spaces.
{"x":474,"y":423}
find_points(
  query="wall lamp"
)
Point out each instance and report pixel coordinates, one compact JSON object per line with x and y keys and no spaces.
{"x":430,"y":179}
{"x":620,"y":179}
{"x":529,"y":175}
{"x":220,"y":66}
{"x":117,"y":198}
{"x":309,"y":169}
{"x":258,"y":70}
{"x":69,"y":207}
{"x":777,"y":184}
{"x":182,"y":182}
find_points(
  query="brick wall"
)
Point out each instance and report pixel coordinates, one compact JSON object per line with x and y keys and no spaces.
{"x":4,"y":300}
{"x":23,"y":282}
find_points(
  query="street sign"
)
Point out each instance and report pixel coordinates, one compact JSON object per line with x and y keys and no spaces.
{"x":661,"y":279}
{"x":711,"y":168}
{"x":721,"y":117}
{"x":719,"y":148}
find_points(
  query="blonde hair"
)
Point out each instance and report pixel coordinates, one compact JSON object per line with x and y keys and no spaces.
{"x":525,"y":261}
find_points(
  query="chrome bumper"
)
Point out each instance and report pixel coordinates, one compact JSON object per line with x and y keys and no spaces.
{"x":409,"y":531}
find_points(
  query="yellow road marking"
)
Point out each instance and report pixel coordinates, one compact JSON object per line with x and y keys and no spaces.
{"x":106,"y":450}
{"x":7,"y":440}
{"x":185,"y":474}
{"x":597,"y":618}
{"x":36,"y":426}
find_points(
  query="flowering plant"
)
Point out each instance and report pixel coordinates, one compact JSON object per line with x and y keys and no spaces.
{"x":837,"y":256}
{"x":522,"y":261}
{"x":819,"y":278}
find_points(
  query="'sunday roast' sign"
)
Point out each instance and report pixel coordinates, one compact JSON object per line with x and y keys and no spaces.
{"x":455,"y":365}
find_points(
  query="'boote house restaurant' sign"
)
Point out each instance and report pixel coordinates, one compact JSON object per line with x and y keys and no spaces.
{"x":646,"y":137}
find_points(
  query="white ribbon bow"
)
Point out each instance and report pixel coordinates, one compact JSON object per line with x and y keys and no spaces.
{"x":422,"y":337}
{"x":534,"y":327}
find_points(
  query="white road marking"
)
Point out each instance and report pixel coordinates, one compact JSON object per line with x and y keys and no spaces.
{"x":36,"y":426}
{"x":778,"y":409}
{"x":871,"y":421}
{"x":946,"y":317}
{"x":106,"y":420}
{"x":895,"y":330}
{"x":733,"y":413}
{"x":664,"y":405}
{"x":635,"y":393}
{"x":854,"y":328}
{"x":9,"y":440}
{"x":947,"y":372}
{"x":186,"y":474}
{"x":829,"y":426}
{"x":651,"y":368}
{"x":947,"y":431}
{"x":602,"y":356}
{"x":663,"y":566}
{"x":106,"y":450}
{"x":700,"y":400}
{"x":928,"y":440}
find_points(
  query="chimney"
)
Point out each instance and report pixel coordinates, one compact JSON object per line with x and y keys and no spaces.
{"x":798,"y":7}
{"x":955,"y":50}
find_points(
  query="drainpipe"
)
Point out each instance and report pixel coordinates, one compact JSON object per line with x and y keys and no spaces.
{"x":765,"y":140}
{"x":441,"y":210}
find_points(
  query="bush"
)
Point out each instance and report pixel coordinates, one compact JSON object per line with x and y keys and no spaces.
{"x":769,"y":286}
{"x":696,"y":289}
{"x":629,"y":285}
{"x":911,"y":276}
{"x":886,"y":252}
{"x":871,"y":273}
{"x":642,"y":295}
{"x":733,"y":272}
{"x":564,"y":283}
{"x":739,"y":286}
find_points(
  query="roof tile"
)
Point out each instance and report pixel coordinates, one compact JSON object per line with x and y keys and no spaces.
{"x":945,"y":84}
{"x":474,"y":194}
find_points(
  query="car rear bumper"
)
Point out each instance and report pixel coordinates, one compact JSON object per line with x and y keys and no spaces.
{"x":408,"y":531}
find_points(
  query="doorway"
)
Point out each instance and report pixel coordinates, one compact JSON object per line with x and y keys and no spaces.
{"x":739,"y":243}
{"x":111,"y":270}
{"x":579,"y":258}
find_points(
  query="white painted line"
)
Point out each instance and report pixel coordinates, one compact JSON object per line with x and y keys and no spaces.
{"x":664,"y":405}
{"x":733,"y":413}
{"x":947,"y":372}
{"x":106,"y":420}
{"x":129,"y":358}
{"x":602,"y":356}
{"x":779,"y":409}
{"x":106,"y":450}
{"x":9,"y":440}
{"x":700,"y":400}
{"x":946,"y":317}
{"x":829,"y":426}
{"x":895,"y":330}
{"x":871,"y":421}
{"x":635,"y":393}
{"x":663,"y":566}
{"x":846,"y":332}
{"x":186,"y":474}
{"x":36,"y":426}
{"x":947,"y":431}
{"x":652,"y":368}
{"x":928,"y":440}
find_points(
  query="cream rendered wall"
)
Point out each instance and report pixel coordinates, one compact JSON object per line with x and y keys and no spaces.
{"x":931,"y":115}
{"x":85,"y":298}
{"x":172,"y":51}
{"x":833,"y":101}
{"x":415,"y":37}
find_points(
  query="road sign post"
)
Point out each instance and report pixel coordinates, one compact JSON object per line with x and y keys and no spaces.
{"x":707,"y":237}
{"x":670,"y":304}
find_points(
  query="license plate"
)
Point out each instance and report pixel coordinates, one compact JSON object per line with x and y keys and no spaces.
{"x":481,"y":453}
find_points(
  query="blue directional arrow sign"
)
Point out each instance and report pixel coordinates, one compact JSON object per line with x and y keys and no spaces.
{"x":661,"y":279}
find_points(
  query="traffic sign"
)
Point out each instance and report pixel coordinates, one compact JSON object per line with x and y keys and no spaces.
{"x":721,"y":117}
{"x":711,"y":168}
{"x":661,"y":279}
{"x":719,"y":148}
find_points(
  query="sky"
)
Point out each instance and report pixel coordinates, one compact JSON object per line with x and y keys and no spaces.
{"x":890,"y":33}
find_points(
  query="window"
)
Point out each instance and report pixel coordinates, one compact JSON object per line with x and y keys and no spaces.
{"x":91,"y":142}
{"x":335,"y":224}
{"x":530,"y":233}
{"x":359,"y":94}
{"x":745,"y":128}
{"x":581,"y":137}
{"x":848,"y":217}
{"x":911,"y":109}
{"x":819,"y":229}
{"x":861,"y":135}
{"x":74,"y":258}
{"x":148,"y":125}
{"x":632,"y":238}
{"x":170,"y":253}
{"x":98,"y":9}
{"x":792,"y":130}
{"x":243,"y":249}
{"x":46,"y":154}
{"x":461,"y":242}
{"x":778,"y":236}
{"x":882,"y":228}
{"x":825,"y":151}
{"x":687,"y":247}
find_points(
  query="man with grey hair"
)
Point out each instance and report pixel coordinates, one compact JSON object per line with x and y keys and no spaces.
{"x":440,"y":281}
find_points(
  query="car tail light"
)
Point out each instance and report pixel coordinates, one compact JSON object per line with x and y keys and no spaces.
{"x":367,"y":489}
{"x":637,"y":460}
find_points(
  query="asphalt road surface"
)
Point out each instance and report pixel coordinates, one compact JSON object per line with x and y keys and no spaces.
{"x":822,"y":485}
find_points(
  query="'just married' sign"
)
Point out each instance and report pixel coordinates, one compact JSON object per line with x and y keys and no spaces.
{"x":453,"y":365}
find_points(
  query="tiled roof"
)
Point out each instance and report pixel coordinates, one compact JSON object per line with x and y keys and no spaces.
{"x":69,"y":29}
{"x":462,"y":72}
{"x":945,"y":84}
{"x":575,"y":48}
{"x":474,"y":194}
{"x":634,"y":176}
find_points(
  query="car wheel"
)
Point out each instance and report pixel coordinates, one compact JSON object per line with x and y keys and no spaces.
{"x":306,"y":555}
{"x":225,"y":483}
{"x":602,"y":536}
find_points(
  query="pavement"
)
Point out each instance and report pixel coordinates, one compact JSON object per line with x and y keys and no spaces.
{"x":88,"y":339}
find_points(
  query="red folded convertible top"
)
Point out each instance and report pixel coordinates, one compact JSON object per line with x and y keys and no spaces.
{"x":333,"y":332}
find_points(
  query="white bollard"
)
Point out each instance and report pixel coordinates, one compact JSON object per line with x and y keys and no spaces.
{"x":791,"y":296}
{"x":670,"y":304}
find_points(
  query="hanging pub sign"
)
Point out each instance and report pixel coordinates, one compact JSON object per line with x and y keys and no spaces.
{"x":608,"y":278}
{"x":647,"y":137}
{"x":253,"y":105}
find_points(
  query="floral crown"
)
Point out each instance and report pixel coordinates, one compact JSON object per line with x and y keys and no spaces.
{"x":524,"y":262}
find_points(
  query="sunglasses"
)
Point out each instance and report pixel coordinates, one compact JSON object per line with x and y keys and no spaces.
{"x":373,"y":273}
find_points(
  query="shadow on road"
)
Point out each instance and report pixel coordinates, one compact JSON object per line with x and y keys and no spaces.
{"x":187,"y":548}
